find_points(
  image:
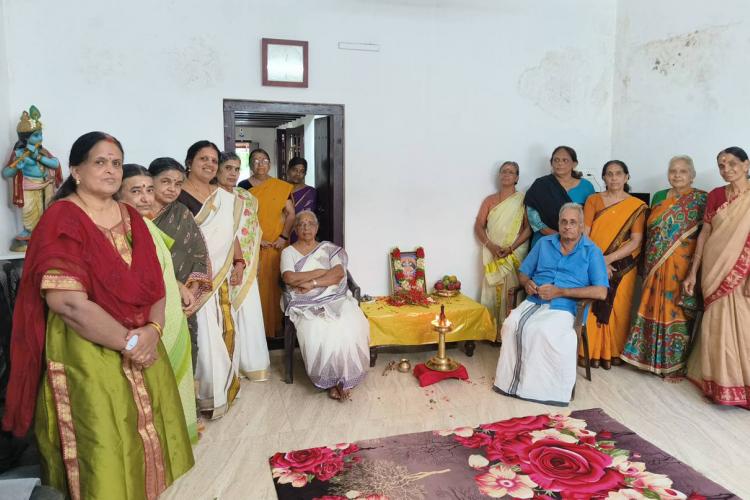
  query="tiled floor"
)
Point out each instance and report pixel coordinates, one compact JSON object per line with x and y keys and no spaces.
{"x":231,"y":458}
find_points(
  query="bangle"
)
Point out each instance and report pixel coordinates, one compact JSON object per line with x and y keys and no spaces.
{"x":157,"y":327}
{"x":285,"y":238}
{"x":239,"y":261}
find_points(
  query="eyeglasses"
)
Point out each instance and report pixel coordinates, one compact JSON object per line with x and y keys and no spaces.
{"x":261,"y":162}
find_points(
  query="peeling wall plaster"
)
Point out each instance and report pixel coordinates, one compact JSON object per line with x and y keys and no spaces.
{"x":679,"y":86}
{"x":196,"y":64}
{"x":684,"y":62}
{"x":563,"y":82}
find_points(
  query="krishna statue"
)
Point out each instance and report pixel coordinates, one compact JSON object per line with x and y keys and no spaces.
{"x":34,"y":175}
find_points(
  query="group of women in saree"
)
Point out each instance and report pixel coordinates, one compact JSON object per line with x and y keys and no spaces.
{"x":140,"y":309}
{"x":695,"y":262}
{"x":97,"y":353}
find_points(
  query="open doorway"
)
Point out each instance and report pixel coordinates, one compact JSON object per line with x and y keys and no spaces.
{"x":314,"y":132}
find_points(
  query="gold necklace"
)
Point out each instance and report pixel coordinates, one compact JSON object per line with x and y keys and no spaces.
{"x":86,"y":208}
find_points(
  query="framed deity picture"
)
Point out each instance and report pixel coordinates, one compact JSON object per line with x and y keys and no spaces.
{"x":284,"y":62}
{"x":407,"y":270}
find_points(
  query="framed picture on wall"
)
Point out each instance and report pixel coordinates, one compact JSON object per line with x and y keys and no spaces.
{"x":284,"y":62}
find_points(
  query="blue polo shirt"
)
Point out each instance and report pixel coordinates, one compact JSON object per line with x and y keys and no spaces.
{"x":546,"y":264}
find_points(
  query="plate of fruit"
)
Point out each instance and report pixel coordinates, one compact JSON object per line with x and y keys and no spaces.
{"x":448,"y":286}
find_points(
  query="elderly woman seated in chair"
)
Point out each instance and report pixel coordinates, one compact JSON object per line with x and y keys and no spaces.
{"x":332,"y":331}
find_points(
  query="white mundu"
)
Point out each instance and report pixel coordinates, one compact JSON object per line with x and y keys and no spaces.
{"x":537,"y":360}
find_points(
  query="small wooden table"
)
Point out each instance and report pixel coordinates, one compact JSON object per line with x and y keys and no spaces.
{"x":410,"y":325}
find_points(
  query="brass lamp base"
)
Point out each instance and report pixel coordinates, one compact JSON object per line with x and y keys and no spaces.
{"x":441,"y":362}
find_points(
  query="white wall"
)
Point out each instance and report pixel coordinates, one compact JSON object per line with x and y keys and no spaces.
{"x":458,"y":85}
{"x":8,"y":121}
{"x":681,"y":86}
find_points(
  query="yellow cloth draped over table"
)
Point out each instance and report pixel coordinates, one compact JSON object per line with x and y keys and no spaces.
{"x":410,"y":325}
{"x":176,"y":337}
{"x":501,"y":275}
{"x":272,"y":196}
{"x":610,"y":228}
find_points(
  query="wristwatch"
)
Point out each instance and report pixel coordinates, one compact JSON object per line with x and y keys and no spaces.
{"x":132,"y":343}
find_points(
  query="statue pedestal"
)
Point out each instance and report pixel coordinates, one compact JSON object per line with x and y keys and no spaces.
{"x":19,"y":245}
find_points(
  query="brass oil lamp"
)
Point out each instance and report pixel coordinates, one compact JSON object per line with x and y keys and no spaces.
{"x":441,"y":362}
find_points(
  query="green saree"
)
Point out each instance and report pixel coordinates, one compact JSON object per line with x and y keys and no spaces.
{"x":104,"y":428}
{"x":176,"y":338}
{"x":108,"y":455}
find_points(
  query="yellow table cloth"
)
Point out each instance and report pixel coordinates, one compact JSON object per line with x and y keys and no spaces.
{"x":410,"y":325}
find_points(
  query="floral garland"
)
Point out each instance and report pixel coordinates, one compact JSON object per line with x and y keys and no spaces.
{"x":398,"y":270}
{"x":412,"y":297}
{"x":533,"y":457}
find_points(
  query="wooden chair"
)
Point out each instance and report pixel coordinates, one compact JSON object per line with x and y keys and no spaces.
{"x":579,"y":326}
{"x":290,"y":333}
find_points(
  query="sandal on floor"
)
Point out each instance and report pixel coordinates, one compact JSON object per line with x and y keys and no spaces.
{"x":334,"y":393}
{"x":616,"y":361}
{"x":594,"y":363}
{"x":606,"y":364}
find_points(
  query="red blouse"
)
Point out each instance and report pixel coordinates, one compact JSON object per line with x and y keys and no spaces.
{"x":716,"y":198}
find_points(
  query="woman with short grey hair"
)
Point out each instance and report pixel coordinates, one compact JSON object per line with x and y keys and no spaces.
{"x":333,"y":333}
{"x":660,"y":337}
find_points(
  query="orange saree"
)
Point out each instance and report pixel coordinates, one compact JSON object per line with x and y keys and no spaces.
{"x":611,"y":227}
{"x":659,"y":341}
{"x":272,"y":196}
{"x":720,"y":361}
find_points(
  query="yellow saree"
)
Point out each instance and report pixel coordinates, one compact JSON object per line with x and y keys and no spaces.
{"x":504,"y":222}
{"x":611,"y":227}
{"x":272,"y":196}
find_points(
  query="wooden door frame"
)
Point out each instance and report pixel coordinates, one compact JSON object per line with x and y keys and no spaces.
{"x":335,"y":150}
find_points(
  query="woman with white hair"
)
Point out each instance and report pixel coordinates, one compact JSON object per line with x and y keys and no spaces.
{"x":333,"y":333}
{"x":660,"y":337}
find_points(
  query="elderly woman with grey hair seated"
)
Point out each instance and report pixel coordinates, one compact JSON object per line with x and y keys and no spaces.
{"x":333,"y":332}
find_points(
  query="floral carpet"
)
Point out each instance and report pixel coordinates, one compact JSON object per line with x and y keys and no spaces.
{"x":581,"y":455}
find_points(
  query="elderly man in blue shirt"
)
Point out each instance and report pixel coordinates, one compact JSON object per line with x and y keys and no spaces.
{"x":538,"y":356}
